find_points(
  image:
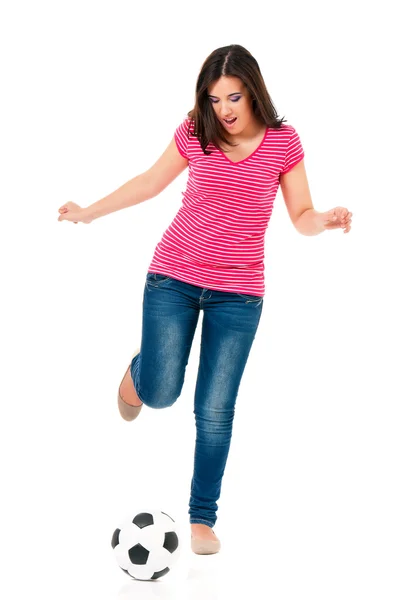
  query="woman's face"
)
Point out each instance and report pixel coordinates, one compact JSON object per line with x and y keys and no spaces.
{"x":231,"y":99}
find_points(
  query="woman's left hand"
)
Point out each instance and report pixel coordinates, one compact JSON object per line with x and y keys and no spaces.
{"x":336,"y":218}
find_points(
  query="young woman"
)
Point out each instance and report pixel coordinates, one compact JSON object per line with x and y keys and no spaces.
{"x":211,"y":258}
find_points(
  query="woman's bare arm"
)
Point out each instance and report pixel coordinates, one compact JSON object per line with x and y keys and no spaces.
{"x":143,"y":187}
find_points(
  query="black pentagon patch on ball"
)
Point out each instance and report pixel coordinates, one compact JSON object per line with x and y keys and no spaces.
{"x":143,"y":520}
{"x":138,"y":555}
{"x":127,"y":573}
{"x":115,"y":538}
{"x":160,"y":573}
{"x":171,"y":541}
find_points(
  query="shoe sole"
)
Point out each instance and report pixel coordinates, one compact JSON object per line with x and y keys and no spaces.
{"x":205,"y":546}
{"x":127,"y":411}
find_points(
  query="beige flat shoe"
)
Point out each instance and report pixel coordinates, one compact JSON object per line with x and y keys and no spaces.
{"x":128,"y":412}
{"x":205,"y":546}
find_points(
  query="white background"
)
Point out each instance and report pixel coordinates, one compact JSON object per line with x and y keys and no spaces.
{"x":91,"y":95}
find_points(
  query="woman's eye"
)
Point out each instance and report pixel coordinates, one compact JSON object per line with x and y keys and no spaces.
{"x":232,"y":100}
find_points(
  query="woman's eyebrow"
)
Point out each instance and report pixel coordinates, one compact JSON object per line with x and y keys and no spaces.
{"x":233,"y":94}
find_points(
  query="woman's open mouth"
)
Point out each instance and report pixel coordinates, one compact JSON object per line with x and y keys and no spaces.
{"x":229,"y":122}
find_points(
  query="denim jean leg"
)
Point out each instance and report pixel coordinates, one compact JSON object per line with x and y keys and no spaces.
{"x":228,"y":330}
{"x":170,"y":317}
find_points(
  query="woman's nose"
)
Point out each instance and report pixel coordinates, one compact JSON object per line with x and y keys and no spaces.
{"x":225,"y":112}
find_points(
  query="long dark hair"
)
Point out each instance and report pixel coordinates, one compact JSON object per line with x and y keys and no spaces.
{"x":231,"y":61}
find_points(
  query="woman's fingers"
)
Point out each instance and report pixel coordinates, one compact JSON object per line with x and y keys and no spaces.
{"x":67,"y":216}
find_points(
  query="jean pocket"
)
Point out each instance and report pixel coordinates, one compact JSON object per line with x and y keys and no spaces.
{"x":156,"y":278}
{"x":250,"y":298}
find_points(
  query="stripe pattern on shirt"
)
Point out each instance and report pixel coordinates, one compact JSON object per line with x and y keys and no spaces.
{"x":216,"y":239}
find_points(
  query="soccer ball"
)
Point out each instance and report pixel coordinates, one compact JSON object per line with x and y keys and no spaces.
{"x":146,"y":545}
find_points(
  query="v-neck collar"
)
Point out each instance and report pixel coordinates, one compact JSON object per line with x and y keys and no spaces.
{"x":250,"y":155}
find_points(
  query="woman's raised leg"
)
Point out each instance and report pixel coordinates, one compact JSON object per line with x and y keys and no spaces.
{"x":170,"y":317}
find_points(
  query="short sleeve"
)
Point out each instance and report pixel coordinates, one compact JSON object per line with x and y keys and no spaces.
{"x":294,"y":152}
{"x":182,"y":137}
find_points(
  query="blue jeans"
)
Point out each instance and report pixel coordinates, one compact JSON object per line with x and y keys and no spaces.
{"x":170,"y":314}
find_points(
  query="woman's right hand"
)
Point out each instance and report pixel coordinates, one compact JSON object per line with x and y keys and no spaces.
{"x":73,"y":212}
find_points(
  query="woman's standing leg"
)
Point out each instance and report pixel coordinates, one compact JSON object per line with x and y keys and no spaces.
{"x":229,"y":327}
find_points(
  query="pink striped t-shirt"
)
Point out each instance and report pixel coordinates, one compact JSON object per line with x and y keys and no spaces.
{"x":216,"y":239}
